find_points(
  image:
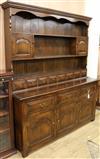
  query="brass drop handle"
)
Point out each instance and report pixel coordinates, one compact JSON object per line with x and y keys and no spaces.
{"x":41,"y":105}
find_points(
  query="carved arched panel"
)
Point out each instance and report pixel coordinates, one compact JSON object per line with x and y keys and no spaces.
{"x":22,"y":45}
{"x":81,"y":46}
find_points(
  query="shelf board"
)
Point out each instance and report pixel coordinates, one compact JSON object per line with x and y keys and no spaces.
{"x":3,"y":113}
{"x":4,"y":130}
{"x":49,"y":35}
{"x":3,"y":96}
{"x":60,"y":56}
{"x":48,"y":57}
{"x":56,"y":35}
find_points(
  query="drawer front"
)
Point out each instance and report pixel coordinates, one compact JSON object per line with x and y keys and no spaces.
{"x":19,"y":84}
{"x":41,"y":104}
{"x":42,"y":81}
{"x":67,"y":97}
{"x":88,"y":91}
{"x":83,"y":73}
{"x":69,"y":75}
{"x":52,"y":79}
{"x":77,"y":74}
{"x":31,"y":82}
{"x":61,"y":77}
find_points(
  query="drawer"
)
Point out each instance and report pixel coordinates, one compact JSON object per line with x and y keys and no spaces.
{"x":66,"y":97}
{"x":52,"y":79}
{"x":42,"y":80}
{"x":31,"y":82}
{"x":77,"y":74}
{"x":40,"y":104}
{"x":87,"y":88}
{"x":83,"y":73}
{"x":69,"y":75}
{"x":19,"y":84}
{"x":61,"y":77}
{"x":88,"y":91}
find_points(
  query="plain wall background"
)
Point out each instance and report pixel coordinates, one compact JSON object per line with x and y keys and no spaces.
{"x":92,"y":9}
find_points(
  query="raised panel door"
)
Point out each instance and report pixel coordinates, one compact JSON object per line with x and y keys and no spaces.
{"x":41,"y":128}
{"x":87,"y":103}
{"x":22,"y":45}
{"x":66,"y":113}
{"x":82,"y":46}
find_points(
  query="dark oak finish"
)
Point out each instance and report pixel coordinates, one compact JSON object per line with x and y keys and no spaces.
{"x":47,"y":51}
{"x":35,"y":33}
{"x":6,"y":116}
{"x":49,"y":115}
{"x":98,"y":94}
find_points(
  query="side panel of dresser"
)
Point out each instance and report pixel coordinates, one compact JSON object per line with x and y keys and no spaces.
{"x":98,"y":95}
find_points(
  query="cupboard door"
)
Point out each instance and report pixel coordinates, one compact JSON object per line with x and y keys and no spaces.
{"x":66,"y":113}
{"x":41,"y":128}
{"x":87,"y":103}
{"x":81,"y":45}
{"x":22,"y":45}
{"x":85,"y":110}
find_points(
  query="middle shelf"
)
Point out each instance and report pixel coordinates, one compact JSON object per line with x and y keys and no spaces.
{"x":3,"y":96}
{"x":46,"y":57}
{"x":3,"y":113}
